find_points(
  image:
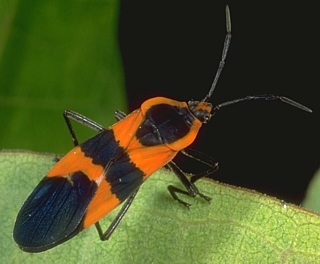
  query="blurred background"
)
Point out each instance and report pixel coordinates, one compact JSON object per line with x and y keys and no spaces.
{"x":97,"y":56}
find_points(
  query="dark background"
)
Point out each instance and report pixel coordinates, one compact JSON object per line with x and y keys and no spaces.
{"x":173,"y":49}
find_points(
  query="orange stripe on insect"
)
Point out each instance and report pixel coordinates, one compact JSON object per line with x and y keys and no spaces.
{"x":74,"y":161}
{"x":148,"y":161}
{"x":103,"y":202}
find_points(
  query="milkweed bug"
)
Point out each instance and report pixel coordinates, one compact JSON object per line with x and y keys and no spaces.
{"x":99,"y":174}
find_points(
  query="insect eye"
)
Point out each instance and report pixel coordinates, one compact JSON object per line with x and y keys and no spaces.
{"x":207,"y":118}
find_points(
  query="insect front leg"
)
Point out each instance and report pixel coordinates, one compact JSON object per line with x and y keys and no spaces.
{"x":201,"y":157}
{"x":191,"y":189}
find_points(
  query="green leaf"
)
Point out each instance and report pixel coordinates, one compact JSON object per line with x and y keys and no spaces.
{"x":312,"y":199}
{"x":239,"y":226}
{"x":55,"y":55}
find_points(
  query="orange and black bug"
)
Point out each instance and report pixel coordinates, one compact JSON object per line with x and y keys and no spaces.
{"x":99,"y":174}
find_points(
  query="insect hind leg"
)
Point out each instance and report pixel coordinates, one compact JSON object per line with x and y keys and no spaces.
{"x":119,"y":115}
{"x":106,"y":235}
{"x":69,"y":114}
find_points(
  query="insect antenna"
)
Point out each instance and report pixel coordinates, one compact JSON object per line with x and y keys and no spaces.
{"x":226,"y":46}
{"x":268,"y":97}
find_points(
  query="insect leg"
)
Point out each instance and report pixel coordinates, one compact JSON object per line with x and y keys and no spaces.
{"x":69,"y":114}
{"x":200,"y":157}
{"x":191,"y":189}
{"x":106,"y":235}
{"x":119,"y":115}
